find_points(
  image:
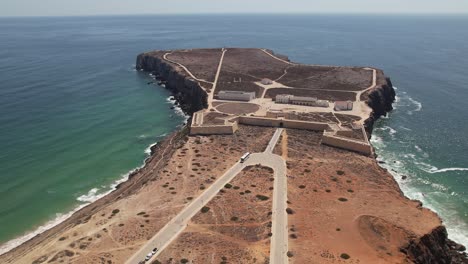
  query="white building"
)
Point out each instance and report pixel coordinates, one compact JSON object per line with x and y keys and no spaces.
{"x":283,"y":98}
{"x":343,"y":106}
{"x":236,"y":95}
{"x":300,"y":100}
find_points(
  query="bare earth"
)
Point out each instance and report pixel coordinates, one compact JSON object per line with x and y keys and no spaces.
{"x":341,"y":206}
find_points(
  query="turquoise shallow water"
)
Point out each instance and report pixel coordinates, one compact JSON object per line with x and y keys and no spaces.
{"x":75,"y":117}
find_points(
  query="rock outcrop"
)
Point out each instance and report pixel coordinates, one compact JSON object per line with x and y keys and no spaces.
{"x":380,"y":99}
{"x":188,"y":93}
{"x":435,"y":248}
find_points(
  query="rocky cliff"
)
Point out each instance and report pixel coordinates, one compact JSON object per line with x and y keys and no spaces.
{"x":187,"y":91}
{"x":380,"y":99}
{"x":435,"y":248}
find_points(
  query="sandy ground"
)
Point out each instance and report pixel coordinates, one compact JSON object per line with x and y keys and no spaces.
{"x":345,"y":205}
{"x":112,"y":233}
{"x":236,"y":227}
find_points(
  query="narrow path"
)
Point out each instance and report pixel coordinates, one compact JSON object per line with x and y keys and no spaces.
{"x":374,"y":83}
{"x":185,"y":68}
{"x":211,"y":94}
{"x":276,"y":58}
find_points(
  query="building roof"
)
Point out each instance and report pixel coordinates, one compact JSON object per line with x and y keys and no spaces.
{"x":235,"y":92}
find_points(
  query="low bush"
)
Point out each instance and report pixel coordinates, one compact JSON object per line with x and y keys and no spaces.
{"x":341,"y":199}
{"x":344,"y":256}
{"x":205,"y":209}
{"x":262,"y":197}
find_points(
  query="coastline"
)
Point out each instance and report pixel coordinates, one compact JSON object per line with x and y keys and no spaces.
{"x":52,"y":224}
{"x":129,"y":186}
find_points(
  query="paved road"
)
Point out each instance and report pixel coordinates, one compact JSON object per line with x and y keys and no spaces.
{"x":279,"y":229}
{"x":218,"y":71}
{"x":174,"y":227}
{"x":279,"y":245}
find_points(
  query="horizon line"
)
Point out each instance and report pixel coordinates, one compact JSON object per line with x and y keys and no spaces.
{"x":247,"y":13}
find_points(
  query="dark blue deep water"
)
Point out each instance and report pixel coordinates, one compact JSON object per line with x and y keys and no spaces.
{"x":75,"y":117}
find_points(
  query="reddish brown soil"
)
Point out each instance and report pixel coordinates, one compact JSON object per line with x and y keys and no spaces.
{"x":127,"y":219}
{"x":345,"y":204}
{"x":328,"y":78}
{"x":202,"y":63}
{"x":238,"y":108}
{"x":236,"y":226}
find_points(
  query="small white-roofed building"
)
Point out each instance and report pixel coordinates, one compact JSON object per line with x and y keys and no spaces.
{"x":236,"y":95}
{"x":343,"y":106}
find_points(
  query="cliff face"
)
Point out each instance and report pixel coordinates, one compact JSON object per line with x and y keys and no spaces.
{"x":187,"y":91}
{"x":435,"y":248}
{"x":380,"y":99}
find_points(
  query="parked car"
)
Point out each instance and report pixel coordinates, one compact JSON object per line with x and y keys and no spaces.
{"x":154,"y":250}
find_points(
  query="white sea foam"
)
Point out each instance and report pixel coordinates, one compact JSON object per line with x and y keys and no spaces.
{"x":50,"y":224}
{"x":177,"y":109}
{"x":86,"y":199}
{"x":417,"y":104}
{"x":148,"y":149}
{"x":89,"y":197}
{"x":436,"y":170}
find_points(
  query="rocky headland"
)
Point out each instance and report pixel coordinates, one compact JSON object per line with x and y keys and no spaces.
{"x":343,"y":206}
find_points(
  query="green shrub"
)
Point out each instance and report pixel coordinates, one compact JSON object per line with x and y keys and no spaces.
{"x":345,"y":256}
{"x":289,"y":211}
{"x":234,"y":218}
{"x":262,"y":197}
{"x":228,"y":186}
{"x":115,"y":211}
{"x":340,"y":172}
{"x":341,"y":199}
{"x":184,"y":260}
{"x":205,"y":209}
{"x":302,"y":186}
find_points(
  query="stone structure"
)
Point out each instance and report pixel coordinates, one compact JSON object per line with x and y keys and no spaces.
{"x":343,"y":106}
{"x":300,"y":100}
{"x":236,"y":95}
{"x":266,"y":81}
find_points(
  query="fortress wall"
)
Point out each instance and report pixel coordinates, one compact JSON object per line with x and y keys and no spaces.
{"x":213,"y":130}
{"x":347,"y":144}
{"x":262,"y":121}
{"x":317,"y":126}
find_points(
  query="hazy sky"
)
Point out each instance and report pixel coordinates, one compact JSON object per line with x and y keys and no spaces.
{"x":109,"y":7}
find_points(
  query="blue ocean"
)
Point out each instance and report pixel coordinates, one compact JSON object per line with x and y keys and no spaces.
{"x":76,"y":118}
